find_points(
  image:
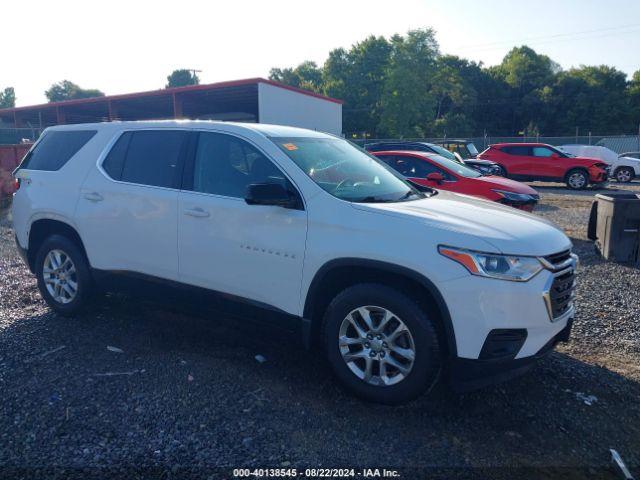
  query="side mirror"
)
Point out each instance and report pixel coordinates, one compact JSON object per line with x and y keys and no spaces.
{"x":435,"y":177}
{"x":269,"y":194}
{"x":555,"y":155}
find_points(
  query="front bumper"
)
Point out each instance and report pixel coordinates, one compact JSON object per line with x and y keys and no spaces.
{"x":526,"y":205}
{"x":466,"y":374}
{"x":598,"y":175}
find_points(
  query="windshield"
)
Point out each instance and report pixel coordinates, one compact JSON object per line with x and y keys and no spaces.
{"x":456,"y":167}
{"x":444,"y":152}
{"x":562,"y":153}
{"x":345,"y":171}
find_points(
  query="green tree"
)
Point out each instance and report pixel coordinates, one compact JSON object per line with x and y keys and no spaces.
{"x":357,"y":77}
{"x":634,"y":99}
{"x":403,"y":87}
{"x":8,"y":98}
{"x":526,"y":73}
{"x":181,"y":78}
{"x":66,"y":90}
{"x":593,"y":98}
{"x":307,"y":75}
{"x":408,"y":103}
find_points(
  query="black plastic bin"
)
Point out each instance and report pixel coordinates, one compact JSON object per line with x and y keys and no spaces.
{"x":614,"y":225}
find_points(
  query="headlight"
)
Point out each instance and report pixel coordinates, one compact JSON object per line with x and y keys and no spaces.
{"x":515,"y":197}
{"x":503,"y":267}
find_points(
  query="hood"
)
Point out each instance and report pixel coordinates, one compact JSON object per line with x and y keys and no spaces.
{"x":501,"y":183}
{"x":629,"y":160}
{"x":507,"y":229}
{"x":479,"y":162}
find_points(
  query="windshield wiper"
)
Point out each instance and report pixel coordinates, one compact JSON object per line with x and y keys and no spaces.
{"x":406,"y":195}
{"x":372,"y":199}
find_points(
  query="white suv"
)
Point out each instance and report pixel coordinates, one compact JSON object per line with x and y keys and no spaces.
{"x":396,"y":285}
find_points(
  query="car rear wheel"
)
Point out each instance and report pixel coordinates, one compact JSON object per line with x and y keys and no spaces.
{"x":624,"y":174}
{"x":577,"y":180}
{"x":381,"y":345}
{"x":64,"y":279}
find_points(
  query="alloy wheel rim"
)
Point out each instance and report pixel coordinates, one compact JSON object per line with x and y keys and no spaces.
{"x":60,"y":277}
{"x":624,"y":176}
{"x":576,"y":180}
{"x":376,"y":345}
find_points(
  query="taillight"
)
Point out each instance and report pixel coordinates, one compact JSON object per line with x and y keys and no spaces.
{"x":16,"y":184}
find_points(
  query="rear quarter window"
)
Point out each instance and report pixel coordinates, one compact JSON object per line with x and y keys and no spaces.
{"x":55,"y":149}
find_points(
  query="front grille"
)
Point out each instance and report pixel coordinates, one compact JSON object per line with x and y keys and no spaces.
{"x":558,"y":259}
{"x":560,"y":293}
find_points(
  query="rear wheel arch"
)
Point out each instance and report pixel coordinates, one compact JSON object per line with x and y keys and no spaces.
{"x":337,"y":275}
{"x":44,"y":228}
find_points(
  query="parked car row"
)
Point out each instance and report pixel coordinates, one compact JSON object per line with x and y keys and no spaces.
{"x":483,"y":166}
{"x":436,"y":171}
{"x":578,"y":166}
{"x":541,"y":162}
{"x":397,"y":286}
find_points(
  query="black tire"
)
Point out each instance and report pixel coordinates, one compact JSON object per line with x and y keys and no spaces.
{"x":577,"y":185}
{"x":82,"y":276}
{"x":624,"y":174}
{"x":426,"y":364}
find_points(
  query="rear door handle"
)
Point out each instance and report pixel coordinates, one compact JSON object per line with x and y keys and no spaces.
{"x":196,"y":212}
{"x":93,"y":196}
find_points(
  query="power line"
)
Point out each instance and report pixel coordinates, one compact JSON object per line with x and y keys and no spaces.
{"x":557,"y":35}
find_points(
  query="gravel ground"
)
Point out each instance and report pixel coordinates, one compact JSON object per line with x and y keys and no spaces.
{"x":187,"y":398}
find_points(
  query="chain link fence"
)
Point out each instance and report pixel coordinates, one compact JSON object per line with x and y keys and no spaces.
{"x":15,"y":136}
{"x":617,"y":143}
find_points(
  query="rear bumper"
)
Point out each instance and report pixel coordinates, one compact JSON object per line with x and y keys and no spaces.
{"x":469,"y":374}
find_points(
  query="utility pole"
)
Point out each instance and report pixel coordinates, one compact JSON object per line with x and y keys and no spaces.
{"x":194,"y":71}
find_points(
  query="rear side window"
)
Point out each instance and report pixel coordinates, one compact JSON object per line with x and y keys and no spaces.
{"x":114,"y":163}
{"x":148,"y":157}
{"x":55,"y":149}
{"x":517,"y":150}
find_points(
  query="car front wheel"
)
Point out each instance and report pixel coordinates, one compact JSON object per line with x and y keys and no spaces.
{"x":64,"y":279}
{"x":381,"y":344}
{"x":577,"y":180}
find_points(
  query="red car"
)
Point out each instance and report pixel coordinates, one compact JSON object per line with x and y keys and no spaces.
{"x":431,"y":170}
{"x":538,"y":161}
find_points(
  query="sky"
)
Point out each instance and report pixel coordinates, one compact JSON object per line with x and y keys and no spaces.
{"x":127,"y":46}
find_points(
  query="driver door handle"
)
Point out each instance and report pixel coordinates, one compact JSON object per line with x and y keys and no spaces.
{"x":196,"y":212}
